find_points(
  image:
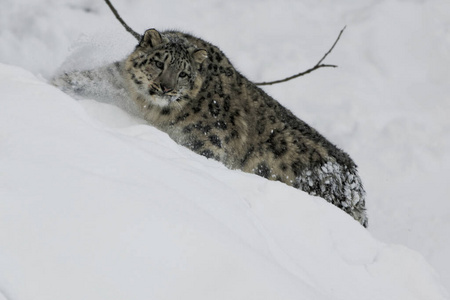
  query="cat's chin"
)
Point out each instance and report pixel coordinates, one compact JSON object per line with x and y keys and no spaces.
{"x":162,"y":101}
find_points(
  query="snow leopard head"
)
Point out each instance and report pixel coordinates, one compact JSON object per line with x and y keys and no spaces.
{"x":164,"y":68}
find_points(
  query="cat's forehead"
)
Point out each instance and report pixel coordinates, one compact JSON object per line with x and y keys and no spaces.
{"x":175,"y":50}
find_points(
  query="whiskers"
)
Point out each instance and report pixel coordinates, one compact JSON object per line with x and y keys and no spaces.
{"x":176,"y":105}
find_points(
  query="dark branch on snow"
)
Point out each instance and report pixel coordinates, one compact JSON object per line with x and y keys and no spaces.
{"x":317,"y":66}
{"x":128,"y":28}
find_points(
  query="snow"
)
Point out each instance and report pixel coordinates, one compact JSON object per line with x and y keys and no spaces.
{"x":95,"y":204}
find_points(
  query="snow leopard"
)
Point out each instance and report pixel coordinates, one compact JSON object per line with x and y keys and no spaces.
{"x":189,"y":89}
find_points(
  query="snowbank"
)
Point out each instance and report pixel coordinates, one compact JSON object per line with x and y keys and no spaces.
{"x":94,"y":212}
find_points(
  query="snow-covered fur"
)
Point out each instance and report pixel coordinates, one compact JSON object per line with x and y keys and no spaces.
{"x":188,"y":88}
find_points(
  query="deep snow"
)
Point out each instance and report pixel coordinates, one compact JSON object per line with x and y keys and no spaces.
{"x":84,"y":214}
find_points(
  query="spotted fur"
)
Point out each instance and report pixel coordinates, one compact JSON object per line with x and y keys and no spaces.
{"x":188,"y":88}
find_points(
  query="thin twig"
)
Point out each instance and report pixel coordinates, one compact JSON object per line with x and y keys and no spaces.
{"x":128,"y":28}
{"x":317,"y":66}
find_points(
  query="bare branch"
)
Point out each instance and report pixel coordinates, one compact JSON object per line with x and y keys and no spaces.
{"x":128,"y":28}
{"x":317,"y":66}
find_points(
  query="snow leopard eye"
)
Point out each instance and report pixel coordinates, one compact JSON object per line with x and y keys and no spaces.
{"x":160,"y":65}
{"x":182,"y":74}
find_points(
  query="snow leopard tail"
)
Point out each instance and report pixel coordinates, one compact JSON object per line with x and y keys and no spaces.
{"x":339,"y":185}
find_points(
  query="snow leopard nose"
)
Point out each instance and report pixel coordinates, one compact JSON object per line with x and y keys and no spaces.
{"x":165,"y":89}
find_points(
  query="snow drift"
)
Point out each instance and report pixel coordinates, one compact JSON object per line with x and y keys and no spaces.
{"x":94,"y":212}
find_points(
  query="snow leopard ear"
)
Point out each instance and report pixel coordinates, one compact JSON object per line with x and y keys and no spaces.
{"x":151,"y":38}
{"x":200,"y":55}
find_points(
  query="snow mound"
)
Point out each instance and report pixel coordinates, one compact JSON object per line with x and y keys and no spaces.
{"x":108,"y":208}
